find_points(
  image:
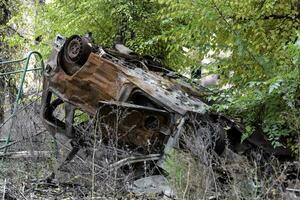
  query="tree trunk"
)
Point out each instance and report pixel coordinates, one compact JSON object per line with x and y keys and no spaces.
{"x":12,"y":93}
{"x":2,"y":99}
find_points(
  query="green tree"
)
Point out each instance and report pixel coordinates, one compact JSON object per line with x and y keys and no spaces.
{"x":7,"y":10}
{"x":134,"y":21}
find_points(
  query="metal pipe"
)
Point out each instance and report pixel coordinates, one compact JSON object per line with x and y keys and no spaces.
{"x":19,"y":71}
{"x":22,"y":80}
{"x":12,"y":61}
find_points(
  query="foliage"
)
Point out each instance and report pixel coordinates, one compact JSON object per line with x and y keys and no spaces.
{"x":252,"y":42}
{"x":271,"y":106}
{"x":7,"y":9}
{"x":106,"y":19}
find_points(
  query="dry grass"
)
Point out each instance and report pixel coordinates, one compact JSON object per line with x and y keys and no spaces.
{"x":194,"y":170}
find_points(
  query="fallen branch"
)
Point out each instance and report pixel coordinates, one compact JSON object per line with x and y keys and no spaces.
{"x":4,"y":189}
{"x":26,"y":154}
{"x":134,"y":159}
{"x":17,"y":141}
{"x":293,"y":190}
{"x":173,"y":139}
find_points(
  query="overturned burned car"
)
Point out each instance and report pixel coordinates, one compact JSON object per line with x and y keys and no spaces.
{"x":160,"y":105}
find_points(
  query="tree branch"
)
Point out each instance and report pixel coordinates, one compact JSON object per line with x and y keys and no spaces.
{"x":268,"y":17}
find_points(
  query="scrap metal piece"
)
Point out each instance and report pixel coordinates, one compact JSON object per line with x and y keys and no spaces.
{"x":155,"y":102}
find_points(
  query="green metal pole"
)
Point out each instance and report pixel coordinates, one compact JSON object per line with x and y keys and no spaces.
{"x":19,"y":71}
{"x":22,"y":80}
{"x":12,"y":61}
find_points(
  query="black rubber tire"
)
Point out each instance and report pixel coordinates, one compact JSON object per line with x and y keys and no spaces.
{"x":75,"y":53}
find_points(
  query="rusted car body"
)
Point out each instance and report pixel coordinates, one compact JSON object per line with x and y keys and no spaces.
{"x":86,"y":77}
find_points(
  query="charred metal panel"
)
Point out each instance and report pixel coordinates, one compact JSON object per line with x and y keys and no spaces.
{"x":99,"y":79}
{"x":96,"y":80}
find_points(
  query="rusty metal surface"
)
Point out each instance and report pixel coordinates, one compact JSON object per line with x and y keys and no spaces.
{"x":99,"y":79}
{"x":152,"y":99}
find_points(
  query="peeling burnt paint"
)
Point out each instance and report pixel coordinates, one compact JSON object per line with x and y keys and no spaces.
{"x":102,"y":77}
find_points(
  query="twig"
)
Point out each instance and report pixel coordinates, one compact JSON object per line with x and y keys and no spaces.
{"x":4,"y":190}
{"x":134,"y":159}
{"x":187,"y":181}
{"x":23,"y":196}
{"x":17,"y":32}
{"x":26,"y":154}
{"x":93,"y":165}
{"x":292,"y":190}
